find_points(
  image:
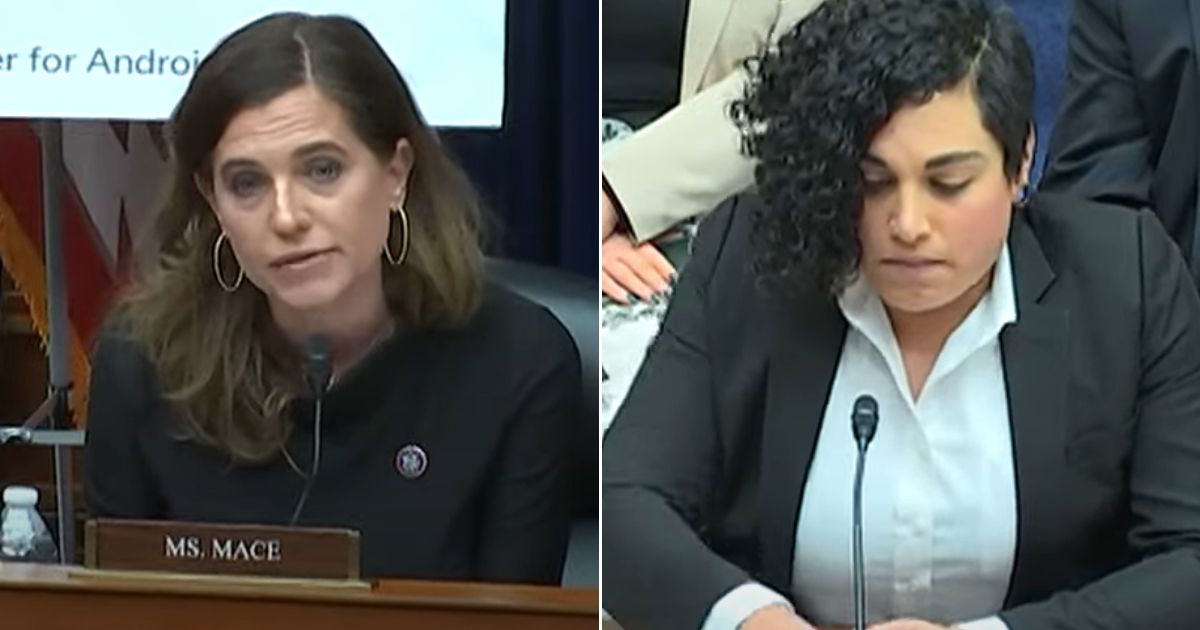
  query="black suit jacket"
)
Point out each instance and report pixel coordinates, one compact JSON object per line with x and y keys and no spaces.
{"x":1127,"y":132}
{"x":705,"y":464}
{"x":490,"y":403}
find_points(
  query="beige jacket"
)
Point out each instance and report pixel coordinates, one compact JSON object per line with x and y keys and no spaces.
{"x":687,"y":161}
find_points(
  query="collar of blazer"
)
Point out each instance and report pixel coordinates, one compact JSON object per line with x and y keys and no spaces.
{"x":801,"y":367}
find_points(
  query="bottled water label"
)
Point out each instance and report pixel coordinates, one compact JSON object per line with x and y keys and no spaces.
{"x":23,"y":533}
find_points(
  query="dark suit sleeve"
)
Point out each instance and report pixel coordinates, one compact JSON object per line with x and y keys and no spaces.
{"x":117,"y":483}
{"x":660,"y":461}
{"x":527,"y":512}
{"x":1101,"y":147}
{"x":1160,"y":590}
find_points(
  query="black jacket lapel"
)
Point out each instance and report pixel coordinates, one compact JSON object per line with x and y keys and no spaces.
{"x":1036,"y":358}
{"x":803,"y":361}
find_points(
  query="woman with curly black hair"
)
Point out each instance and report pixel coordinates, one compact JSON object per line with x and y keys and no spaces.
{"x":1035,"y":365}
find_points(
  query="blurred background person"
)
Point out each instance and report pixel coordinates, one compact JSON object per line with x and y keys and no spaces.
{"x":1128,"y":132}
{"x":671,"y":153}
{"x":670,"y":71}
{"x":1036,"y":457}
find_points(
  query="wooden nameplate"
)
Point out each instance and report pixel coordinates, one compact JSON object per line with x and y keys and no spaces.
{"x":207,"y":548}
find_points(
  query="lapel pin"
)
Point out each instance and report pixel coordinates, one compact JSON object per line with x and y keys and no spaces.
{"x":411,"y":461}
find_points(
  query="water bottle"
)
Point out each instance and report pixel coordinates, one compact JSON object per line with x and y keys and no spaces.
{"x":23,"y":534}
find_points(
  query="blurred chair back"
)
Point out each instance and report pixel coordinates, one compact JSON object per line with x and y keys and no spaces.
{"x":574,"y":300}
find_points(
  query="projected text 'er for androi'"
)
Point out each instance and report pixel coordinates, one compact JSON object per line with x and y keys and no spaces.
{"x":151,"y":62}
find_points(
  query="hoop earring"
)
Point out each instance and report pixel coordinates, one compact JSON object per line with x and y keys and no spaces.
{"x":241,"y":275}
{"x":397,"y":259}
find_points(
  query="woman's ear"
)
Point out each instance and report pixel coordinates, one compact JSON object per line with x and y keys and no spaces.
{"x":400,"y":168}
{"x":1027,"y":155}
{"x":1020,"y":184}
{"x":206,"y":192}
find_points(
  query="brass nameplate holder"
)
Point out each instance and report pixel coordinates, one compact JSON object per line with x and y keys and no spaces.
{"x":206,"y":548}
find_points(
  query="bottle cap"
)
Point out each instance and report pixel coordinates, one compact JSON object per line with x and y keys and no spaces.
{"x":20,"y":496}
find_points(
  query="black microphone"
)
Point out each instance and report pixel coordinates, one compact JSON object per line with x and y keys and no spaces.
{"x":863,"y":420}
{"x":318,"y":371}
{"x":318,"y":368}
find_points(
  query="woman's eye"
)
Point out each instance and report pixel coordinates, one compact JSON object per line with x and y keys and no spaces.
{"x":949,"y":188}
{"x":245,"y":184}
{"x":874,"y":186}
{"x":324,"y":171}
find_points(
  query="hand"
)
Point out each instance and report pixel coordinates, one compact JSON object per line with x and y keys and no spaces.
{"x":626,"y":267}
{"x":777,"y":617}
{"x":608,"y":216}
{"x":908,"y":624}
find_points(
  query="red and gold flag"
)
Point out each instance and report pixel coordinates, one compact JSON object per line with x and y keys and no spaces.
{"x":112,"y":174}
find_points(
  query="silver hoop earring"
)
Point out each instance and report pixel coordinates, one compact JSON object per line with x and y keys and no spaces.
{"x":241,"y":274}
{"x":397,"y":259}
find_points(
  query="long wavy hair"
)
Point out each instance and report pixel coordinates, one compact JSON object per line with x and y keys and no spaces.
{"x":817,"y":98}
{"x":220,"y":361}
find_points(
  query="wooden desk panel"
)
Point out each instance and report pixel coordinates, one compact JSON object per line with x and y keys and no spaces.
{"x":52,"y":598}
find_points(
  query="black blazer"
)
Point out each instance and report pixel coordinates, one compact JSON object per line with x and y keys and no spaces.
{"x":705,"y":464}
{"x":492,"y":405}
{"x":1128,"y":130}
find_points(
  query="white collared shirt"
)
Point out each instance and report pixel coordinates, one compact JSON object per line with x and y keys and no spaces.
{"x":939,"y":498}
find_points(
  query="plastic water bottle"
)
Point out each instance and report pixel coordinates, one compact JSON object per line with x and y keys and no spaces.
{"x":23,"y":534}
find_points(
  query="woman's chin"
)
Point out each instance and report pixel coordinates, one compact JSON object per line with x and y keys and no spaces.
{"x":916,"y":302}
{"x":309,"y":296}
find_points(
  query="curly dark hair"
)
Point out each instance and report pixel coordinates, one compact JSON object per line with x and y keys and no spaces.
{"x":817,"y":98}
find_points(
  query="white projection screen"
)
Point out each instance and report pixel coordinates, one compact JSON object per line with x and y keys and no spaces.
{"x":132,"y":59}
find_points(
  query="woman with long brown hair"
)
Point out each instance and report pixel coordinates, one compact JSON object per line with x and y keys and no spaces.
{"x":311,"y":218}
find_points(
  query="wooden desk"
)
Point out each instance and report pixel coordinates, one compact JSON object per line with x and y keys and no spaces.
{"x":52,"y":597}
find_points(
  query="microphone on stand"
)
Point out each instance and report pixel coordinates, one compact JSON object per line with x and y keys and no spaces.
{"x":318,"y":370}
{"x":864,"y":418}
